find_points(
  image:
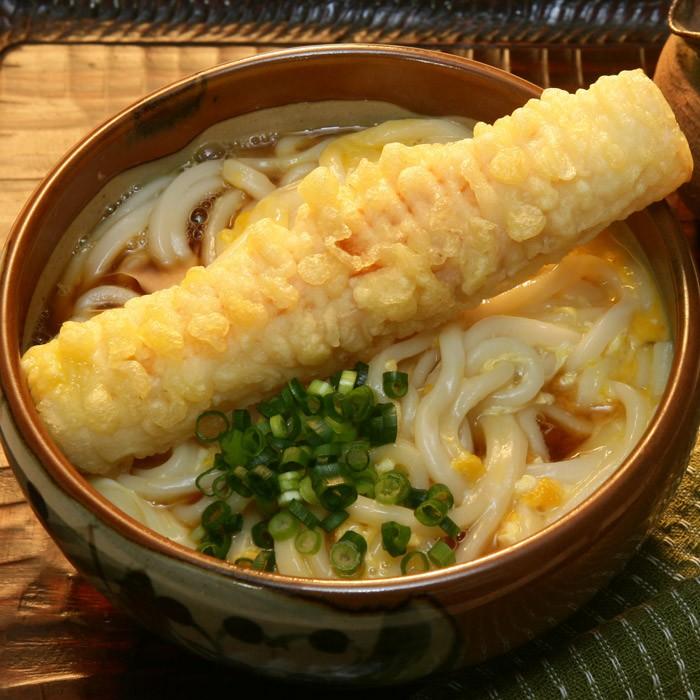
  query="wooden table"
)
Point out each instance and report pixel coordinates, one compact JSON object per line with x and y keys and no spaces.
{"x":59,"y":638}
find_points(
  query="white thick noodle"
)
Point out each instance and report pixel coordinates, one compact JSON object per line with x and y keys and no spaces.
{"x":455,"y":430}
{"x":167,"y":226}
{"x":223,"y":210}
{"x":115,"y":240}
{"x":289,"y":561}
{"x":434,"y":405}
{"x":637,"y":414}
{"x":506,"y":451}
{"x":247,"y":179}
{"x":102,"y":297}
{"x":527,"y":419}
{"x":530,"y":369}
{"x":601,"y":334}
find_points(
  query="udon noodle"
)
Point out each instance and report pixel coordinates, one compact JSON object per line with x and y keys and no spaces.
{"x":522,"y":407}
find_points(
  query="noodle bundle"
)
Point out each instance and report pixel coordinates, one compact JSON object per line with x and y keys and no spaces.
{"x":351,"y":259}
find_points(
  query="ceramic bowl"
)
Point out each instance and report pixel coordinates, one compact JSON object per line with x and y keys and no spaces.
{"x":368,"y":632}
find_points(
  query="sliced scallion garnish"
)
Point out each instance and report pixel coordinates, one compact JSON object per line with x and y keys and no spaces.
{"x":395,"y":537}
{"x":450,"y":527}
{"x":334,"y":493}
{"x":265,"y":561}
{"x":244,"y":562}
{"x":395,"y":384}
{"x":415,"y":563}
{"x":348,"y":553}
{"x":210,"y":426}
{"x":261,"y":535}
{"x":392,"y":487}
{"x":430,"y":512}
{"x":302,"y":513}
{"x":333,"y":520}
{"x":308,"y":541}
{"x":441,"y":554}
{"x":440,"y":492}
{"x":283,"y":525}
{"x":346,"y":383}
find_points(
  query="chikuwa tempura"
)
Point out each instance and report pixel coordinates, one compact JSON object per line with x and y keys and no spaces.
{"x":371,"y":352}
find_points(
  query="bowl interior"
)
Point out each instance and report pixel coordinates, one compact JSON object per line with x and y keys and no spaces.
{"x":411,"y":81}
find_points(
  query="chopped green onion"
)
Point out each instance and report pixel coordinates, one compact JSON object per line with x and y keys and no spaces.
{"x":362,"y":369}
{"x":289,"y":481}
{"x":265,"y":561}
{"x":282,"y":525}
{"x":365,"y":487}
{"x":295,"y":458}
{"x":331,"y":521}
{"x":210,"y":426}
{"x":288,"y":496}
{"x":263,"y":482}
{"x":319,"y":388}
{"x":334,"y":379}
{"x":415,"y":498}
{"x":326,"y":470}
{"x":301,"y":512}
{"x":318,"y":431}
{"x":203,"y":475}
{"x":342,"y":430}
{"x":395,"y":384}
{"x":261,"y":535}
{"x":244,"y":562}
{"x":333,"y":406}
{"x":357,"y":539}
{"x":238,"y":481}
{"x":347,"y":381}
{"x":334,"y":493}
{"x":285,"y":428}
{"x":440,"y":492}
{"x":220,"y":487}
{"x":383,"y":428}
{"x":288,"y":400}
{"x":216,"y":545}
{"x":312,"y":404}
{"x":253,"y":441}
{"x":395,"y":537}
{"x":232,"y":447}
{"x":414,"y":563}
{"x":278,"y":444}
{"x":391,"y":488}
{"x":306,"y":490}
{"x":308,"y":541}
{"x":297,"y":389}
{"x":358,"y":404}
{"x":450,"y":527}
{"x":278,"y":426}
{"x":328,"y":452}
{"x":348,"y":553}
{"x":430,"y":512}
{"x":267,"y":457}
{"x":441,"y":554}
{"x":241,"y":419}
{"x":357,"y":456}
{"x":271,"y":407}
{"x":217,"y":516}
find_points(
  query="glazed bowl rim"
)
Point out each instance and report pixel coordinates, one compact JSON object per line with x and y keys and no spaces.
{"x":672,"y":406}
